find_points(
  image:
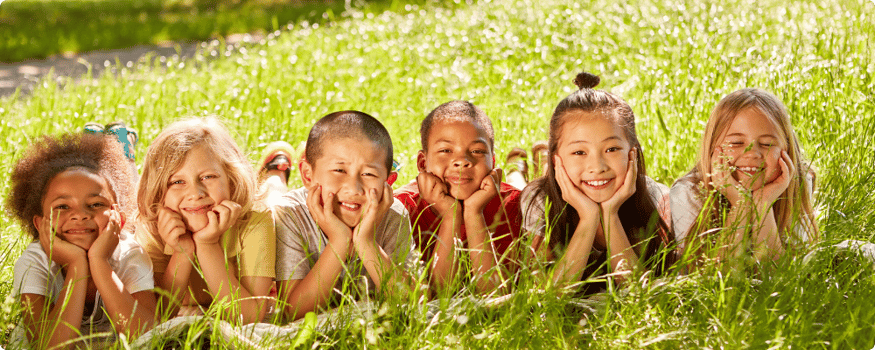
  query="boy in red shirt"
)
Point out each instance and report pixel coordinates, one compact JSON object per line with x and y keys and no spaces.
{"x":458,"y":197}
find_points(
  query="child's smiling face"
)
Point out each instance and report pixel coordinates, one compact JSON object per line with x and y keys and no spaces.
{"x":460,"y":154}
{"x":79,"y":203}
{"x":196,"y":187}
{"x":754,"y":145}
{"x":595,"y":154}
{"x":348,"y":168}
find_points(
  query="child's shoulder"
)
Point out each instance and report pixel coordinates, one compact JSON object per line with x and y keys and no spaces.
{"x":33,"y":255}
{"x":291,"y":200}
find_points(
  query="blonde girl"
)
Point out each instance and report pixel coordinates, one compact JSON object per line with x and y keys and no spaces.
{"x":205,"y":236}
{"x":81,"y":274}
{"x":745,"y":193}
{"x":595,"y":208}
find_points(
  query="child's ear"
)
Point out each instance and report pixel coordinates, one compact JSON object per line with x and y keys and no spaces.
{"x":392,"y":177}
{"x":420,"y":161}
{"x":306,"y":171}
{"x":38,"y":222}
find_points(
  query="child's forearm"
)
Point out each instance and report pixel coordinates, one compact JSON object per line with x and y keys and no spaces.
{"x":175,"y":280}
{"x":127,"y":314}
{"x":570,"y":266}
{"x":65,"y":316}
{"x":443,"y":261}
{"x":315,"y":289}
{"x":623,"y":257}
{"x":487,"y":271}
{"x":760,"y":224}
{"x":381,"y":268}
{"x":766,"y":241}
{"x":224,"y":285}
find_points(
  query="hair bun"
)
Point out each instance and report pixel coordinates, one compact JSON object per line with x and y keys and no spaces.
{"x":585,"y":80}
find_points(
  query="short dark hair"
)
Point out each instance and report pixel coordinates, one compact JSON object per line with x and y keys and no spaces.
{"x":50,"y":156}
{"x":347,"y":124}
{"x":457,"y":110}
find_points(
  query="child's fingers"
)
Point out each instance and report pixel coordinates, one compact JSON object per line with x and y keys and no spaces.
{"x":314,"y":200}
{"x":787,"y":164}
{"x":328,"y":207}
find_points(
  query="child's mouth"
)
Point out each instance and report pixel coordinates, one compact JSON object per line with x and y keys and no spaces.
{"x":350,"y":206}
{"x":457,"y":180}
{"x":200,"y":210}
{"x":598,"y":184}
{"x":80,"y":231}
{"x":749,"y":170}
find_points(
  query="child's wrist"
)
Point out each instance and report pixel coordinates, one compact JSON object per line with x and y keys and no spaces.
{"x":470,"y":213}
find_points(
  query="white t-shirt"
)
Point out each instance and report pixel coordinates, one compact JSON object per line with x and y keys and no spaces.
{"x":300,"y":242}
{"x":686,"y":203}
{"x":35,"y":273}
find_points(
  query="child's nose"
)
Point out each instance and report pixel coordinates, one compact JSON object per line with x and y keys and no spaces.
{"x":197,"y":191}
{"x":596,"y":164}
{"x":81,"y":214}
{"x":355,"y":185}
{"x":462,"y":161}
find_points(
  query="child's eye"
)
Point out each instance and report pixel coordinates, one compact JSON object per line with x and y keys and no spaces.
{"x":444,"y":150}
{"x":177,"y":182}
{"x":98,"y":205}
{"x":612,"y":149}
{"x":579,"y":153}
{"x":341,"y":171}
{"x":206,"y":177}
{"x":369,"y":174}
{"x":60,"y":207}
{"x":479,"y":151}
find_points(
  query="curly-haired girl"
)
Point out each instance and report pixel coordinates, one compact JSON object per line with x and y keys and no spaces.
{"x":81,"y":274}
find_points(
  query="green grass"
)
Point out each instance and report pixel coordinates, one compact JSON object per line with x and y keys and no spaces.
{"x":42,"y":28}
{"x":672,"y":61}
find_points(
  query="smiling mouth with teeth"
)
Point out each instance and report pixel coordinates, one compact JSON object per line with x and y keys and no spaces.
{"x":748,"y":169}
{"x":597,"y":183}
{"x":81,"y":231}
{"x":350,"y":206}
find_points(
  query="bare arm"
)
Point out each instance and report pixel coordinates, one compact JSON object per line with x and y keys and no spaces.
{"x":375,"y":260}
{"x":314,"y":291}
{"x":130,"y":313}
{"x":64,"y":316}
{"x":488,"y":273}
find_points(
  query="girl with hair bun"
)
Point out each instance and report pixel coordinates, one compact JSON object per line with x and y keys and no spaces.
{"x":745,"y":194}
{"x":595,"y":208}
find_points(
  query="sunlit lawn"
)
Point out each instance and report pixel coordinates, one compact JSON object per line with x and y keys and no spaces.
{"x":672,"y":61}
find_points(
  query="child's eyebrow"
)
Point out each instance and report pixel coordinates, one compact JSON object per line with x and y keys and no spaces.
{"x":614,"y":137}
{"x":736,"y":134}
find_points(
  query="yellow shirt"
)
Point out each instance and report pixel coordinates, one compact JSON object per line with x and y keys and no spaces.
{"x":252,"y":247}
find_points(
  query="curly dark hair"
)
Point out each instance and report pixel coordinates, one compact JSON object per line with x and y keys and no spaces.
{"x":52,"y":155}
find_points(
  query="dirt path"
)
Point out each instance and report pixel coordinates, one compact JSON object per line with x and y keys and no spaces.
{"x":27,"y":74}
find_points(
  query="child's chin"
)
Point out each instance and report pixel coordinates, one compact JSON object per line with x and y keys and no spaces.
{"x":349,"y":220}
{"x":460,"y":193}
{"x":195,"y":225}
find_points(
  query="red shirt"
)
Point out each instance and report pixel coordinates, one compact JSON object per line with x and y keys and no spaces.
{"x":502,"y":215}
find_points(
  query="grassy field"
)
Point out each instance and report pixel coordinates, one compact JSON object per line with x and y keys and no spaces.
{"x":671,"y":60}
{"x":41,"y":28}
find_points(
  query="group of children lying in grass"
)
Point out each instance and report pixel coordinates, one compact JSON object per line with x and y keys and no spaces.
{"x":200,"y":227}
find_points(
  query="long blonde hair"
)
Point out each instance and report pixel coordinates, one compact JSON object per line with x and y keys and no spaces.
{"x":167,"y":153}
{"x":794,"y":206}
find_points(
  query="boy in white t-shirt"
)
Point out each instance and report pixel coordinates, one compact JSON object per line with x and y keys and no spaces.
{"x":344,"y":222}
